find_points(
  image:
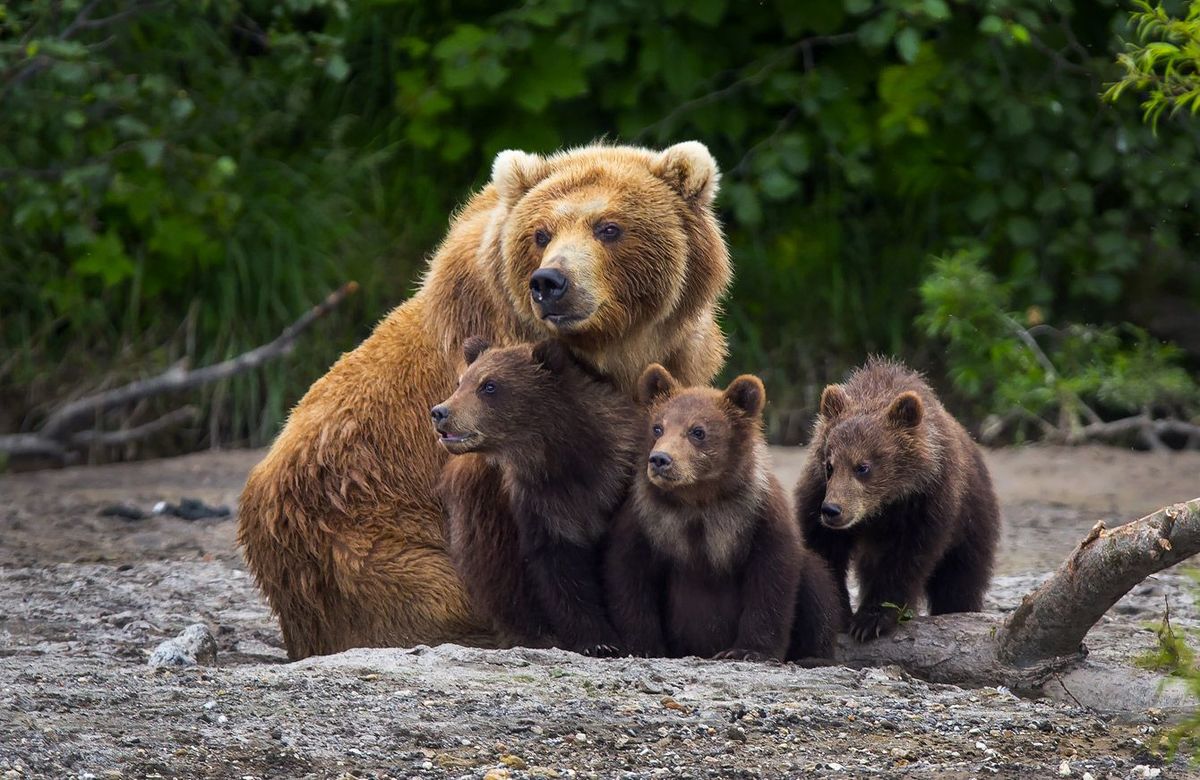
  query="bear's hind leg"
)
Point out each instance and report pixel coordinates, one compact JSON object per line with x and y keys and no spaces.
{"x":959,"y":581}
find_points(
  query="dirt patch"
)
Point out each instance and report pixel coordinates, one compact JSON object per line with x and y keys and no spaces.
{"x":84,"y":599}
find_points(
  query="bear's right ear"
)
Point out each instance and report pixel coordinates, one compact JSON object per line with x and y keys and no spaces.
{"x":691,"y":170}
{"x":552,"y":355}
{"x":906,"y":411}
{"x":833,"y":402}
{"x":473,"y":347}
{"x":656,"y":383}
{"x":515,"y":173}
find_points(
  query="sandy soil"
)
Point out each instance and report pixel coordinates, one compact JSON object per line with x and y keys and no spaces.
{"x":84,"y":599}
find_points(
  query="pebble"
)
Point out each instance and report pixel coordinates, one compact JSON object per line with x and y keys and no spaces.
{"x":195,"y":645}
{"x":1064,"y":769}
{"x":736,"y":733}
{"x":513,"y":762}
{"x":497,"y":774}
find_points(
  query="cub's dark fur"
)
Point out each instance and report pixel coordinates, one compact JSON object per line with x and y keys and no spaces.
{"x":894,"y":483}
{"x":529,"y":544}
{"x":705,"y":558}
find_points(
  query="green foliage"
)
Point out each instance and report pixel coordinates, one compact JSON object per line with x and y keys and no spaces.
{"x":1010,"y":361}
{"x":1173,"y":655}
{"x":182,"y":180}
{"x":1165,"y":62}
{"x":903,"y":612}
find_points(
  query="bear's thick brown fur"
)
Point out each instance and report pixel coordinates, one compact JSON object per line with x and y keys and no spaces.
{"x":564,"y":440}
{"x":895,"y":483}
{"x":339,"y":523}
{"x":705,"y":557}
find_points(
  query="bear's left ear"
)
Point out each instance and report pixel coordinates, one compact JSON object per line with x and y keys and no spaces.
{"x":552,"y":355}
{"x":473,"y":347}
{"x":748,"y":394}
{"x":690,"y":170}
{"x":906,"y":411}
{"x":515,"y":173}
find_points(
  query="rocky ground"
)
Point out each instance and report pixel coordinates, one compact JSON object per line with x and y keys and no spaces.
{"x":84,"y":600}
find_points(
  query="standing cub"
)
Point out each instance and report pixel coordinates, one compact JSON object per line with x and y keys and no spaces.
{"x":705,"y":558}
{"x":528,"y":545}
{"x":896,"y":484}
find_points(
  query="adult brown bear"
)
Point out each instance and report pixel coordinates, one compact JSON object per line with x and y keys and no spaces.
{"x":614,"y":250}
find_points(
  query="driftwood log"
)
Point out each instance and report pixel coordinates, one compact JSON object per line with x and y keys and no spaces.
{"x":60,"y":436}
{"x":1043,"y":638}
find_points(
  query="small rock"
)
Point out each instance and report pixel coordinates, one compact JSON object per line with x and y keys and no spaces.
{"x":513,"y":762}
{"x":671,"y":704}
{"x":123,"y":511}
{"x":497,"y":774}
{"x":1088,"y":776}
{"x":736,"y":733}
{"x":1142,"y":770}
{"x":195,"y":645}
{"x":1064,"y":769}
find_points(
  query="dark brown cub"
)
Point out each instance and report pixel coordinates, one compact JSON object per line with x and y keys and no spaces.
{"x":705,"y":558}
{"x":528,"y":545}
{"x":895,"y":484}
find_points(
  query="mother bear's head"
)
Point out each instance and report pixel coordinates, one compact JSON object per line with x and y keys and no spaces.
{"x":602,"y":243}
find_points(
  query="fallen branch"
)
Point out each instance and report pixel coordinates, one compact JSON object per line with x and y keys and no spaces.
{"x":1043,"y":638}
{"x":59,"y":434}
{"x":1140,"y":423}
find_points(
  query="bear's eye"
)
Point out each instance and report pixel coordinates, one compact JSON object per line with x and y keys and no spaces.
{"x":828,"y":469}
{"x":541,"y":238}
{"x":697,"y":433}
{"x":862,"y":469}
{"x":488,"y":387}
{"x":657,"y":431}
{"x":609,"y":231}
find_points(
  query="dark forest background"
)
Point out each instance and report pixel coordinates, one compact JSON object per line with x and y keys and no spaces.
{"x":941,"y":180}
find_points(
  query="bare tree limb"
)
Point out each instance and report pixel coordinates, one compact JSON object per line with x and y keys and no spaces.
{"x":1043,"y":638}
{"x":1053,"y":620}
{"x":114,"y":438}
{"x":1136,"y":424}
{"x":178,"y":378}
{"x":58,"y":436}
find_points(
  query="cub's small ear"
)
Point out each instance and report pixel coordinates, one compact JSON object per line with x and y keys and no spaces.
{"x":656,"y":383}
{"x":552,"y":355}
{"x":515,"y":173}
{"x":473,"y":347}
{"x":690,"y":169}
{"x":833,"y":401}
{"x":748,"y":394}
{"x":906,"y":411}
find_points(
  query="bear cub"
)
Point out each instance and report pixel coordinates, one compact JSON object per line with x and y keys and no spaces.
{"x":562,"y":439}
{"x":895,"y":484}
{"x":705,"y":557}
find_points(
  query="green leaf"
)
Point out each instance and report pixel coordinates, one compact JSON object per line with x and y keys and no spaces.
{"x":908,"y":44}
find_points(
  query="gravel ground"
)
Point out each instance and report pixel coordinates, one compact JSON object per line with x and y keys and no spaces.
{"x":85,"y":599}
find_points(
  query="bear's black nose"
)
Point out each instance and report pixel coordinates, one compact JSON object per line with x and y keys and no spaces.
{"x":547,"y":284}
{"x":660,"y":460}
{"x":831,"y":511}
{"x":439,"y":413}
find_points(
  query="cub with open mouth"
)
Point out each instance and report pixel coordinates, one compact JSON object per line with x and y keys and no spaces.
{"x":563,"y":438}
{"x":705,"y":557}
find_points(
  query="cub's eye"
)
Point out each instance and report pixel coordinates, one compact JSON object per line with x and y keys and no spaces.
{"x":541,"y":238}
{"x":862,"y":469}
{"x":828,"y":469}
{"x":609,"y":231}
{"x":697,"y":433}
{"x":488,"y":387}
{"x":657,"y":431}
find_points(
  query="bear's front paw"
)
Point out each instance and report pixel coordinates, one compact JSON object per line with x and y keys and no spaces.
{"x":737,"y":654}
{"x":602,"y":651}
{"x":872,"y":624}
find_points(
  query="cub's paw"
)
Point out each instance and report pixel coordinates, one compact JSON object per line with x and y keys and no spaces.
{"x":602,"y":651}
{"x":872,"y":624}
{"x":737,"y":654}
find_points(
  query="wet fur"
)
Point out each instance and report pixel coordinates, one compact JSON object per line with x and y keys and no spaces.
{"x":716,"y":567}
{"x":929,"y":520}
{"x":340,"y":523}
